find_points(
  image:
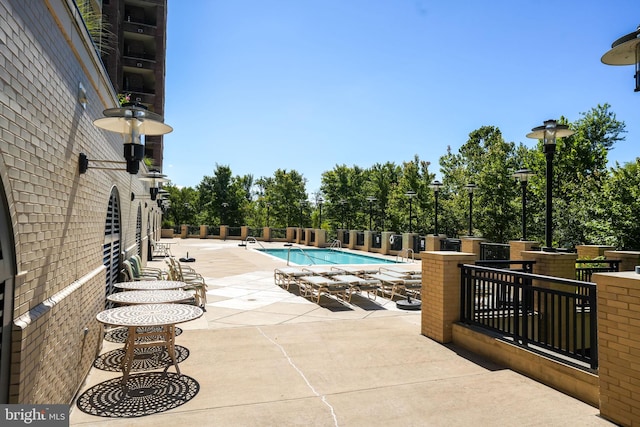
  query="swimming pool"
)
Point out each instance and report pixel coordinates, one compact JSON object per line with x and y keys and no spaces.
{"x":323,"y":256}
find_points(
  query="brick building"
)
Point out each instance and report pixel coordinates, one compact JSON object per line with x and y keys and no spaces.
{"x":62,"y":233}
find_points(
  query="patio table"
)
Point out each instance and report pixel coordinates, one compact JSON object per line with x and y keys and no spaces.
{"x":166,"y":316}
{"x":150,"y":297}
{"x":150,"y":285}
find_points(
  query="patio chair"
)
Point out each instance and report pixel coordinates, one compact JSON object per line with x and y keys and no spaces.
{"x":193,"y":280}
{"x":395,"y":285}
{"x":138,"y":269}
{"x":159,"y":249}
{"x":359,"y":284}
{"x":315,"y":285}
{"x":131,"y":276}
{"x":284,"y":276}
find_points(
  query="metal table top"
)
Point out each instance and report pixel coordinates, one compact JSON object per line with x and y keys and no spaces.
{"x":150,"y":297}
{"x":141,"y":315}
{"x":148,"y":285}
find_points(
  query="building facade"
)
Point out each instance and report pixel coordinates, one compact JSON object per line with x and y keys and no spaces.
{"x":136,"y":60}
{"x":63,"y":234}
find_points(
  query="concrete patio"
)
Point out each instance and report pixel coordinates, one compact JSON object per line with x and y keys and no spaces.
{"x":264,"y":356}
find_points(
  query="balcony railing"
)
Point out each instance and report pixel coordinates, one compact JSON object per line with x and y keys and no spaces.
{"x":586,"y":268}
{"x":554,"y":315}
{"x":495,"y":251}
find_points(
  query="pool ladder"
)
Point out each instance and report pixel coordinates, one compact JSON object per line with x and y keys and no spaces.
{"x":251,"y":239}
{"x":303,"y":253}
{"x":409,"y":251}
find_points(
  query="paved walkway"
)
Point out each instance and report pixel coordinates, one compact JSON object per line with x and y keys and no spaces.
{"x":264,"y":356}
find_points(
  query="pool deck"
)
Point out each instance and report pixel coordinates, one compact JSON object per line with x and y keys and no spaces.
{"x":264,"y":356}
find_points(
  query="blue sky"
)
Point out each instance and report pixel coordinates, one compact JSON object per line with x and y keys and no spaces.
{"x":310,"y":84}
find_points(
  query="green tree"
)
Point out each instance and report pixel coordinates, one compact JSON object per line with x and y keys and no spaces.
{"x":282,"y":194}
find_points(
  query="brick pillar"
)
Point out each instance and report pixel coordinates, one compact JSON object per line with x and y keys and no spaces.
{"x":619,"y":346}
{"x":244,"y":232}
{"x":433,"y":241}
{"x":266,"y":234}
{"x":292,"y":235}
{"x":555,"y":264}
{"x":203,"y":231}
{"x":183,"y":231}
{"x":440,"y":292}
{"x":516,"y":247}
{"x":224,"y":232}
{"x":367,"y":241}
{"x":592,"y":251}
{"x":471,"y":245}
{"x":629,"y":259}
{"x":386,"y":245}
{"x":321,"y":238}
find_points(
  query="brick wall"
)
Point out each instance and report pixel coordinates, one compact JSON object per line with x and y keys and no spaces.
{"x":619,"y":346}
{"x":57,"y":215}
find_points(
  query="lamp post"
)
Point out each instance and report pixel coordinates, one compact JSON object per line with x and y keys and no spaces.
{"x":435,"y":186}
{"x":410,"y":194}
{"x":625,"y":51}
{"x":523,"y":175}
{"x":320,"y":201}
{"x":549,"y":132}
{"x":470,"y":187}
{"x":302,"y":201}
{"x":268,"y":206}
{"x":224,"y":213}
{"x":343,"y":202}
{"x":370,"y":199}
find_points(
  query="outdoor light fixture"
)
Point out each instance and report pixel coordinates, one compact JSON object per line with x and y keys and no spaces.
{"x":410,"y":194}
{"x":132,"y":121}
{"x":435,"y":186}
{"x":626,"y":51}
{"x":155,"y":179}
{"x":320,"y":201}
{"x":470,"y":187}
{"x":548,"y":133}
{"x":523,"y":176}
{"x":370,"y":199}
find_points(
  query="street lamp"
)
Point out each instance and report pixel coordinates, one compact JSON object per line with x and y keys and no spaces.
{"x":302,"y":201}
{"x":549,"y":132}
{"x":625,"y":51}
{"x":435,"y":186}
{"x":470,"y":187}
{"x":410,"y":194}
{"x":370,"y":199}
{"x":223,"y":219}
{"x":523,"y":175}
{"x":268,"y":206}
{"x":320,"y":200}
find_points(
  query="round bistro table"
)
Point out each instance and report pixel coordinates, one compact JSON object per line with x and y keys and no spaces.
{"x":150,"y":297}
{"x":150,"y":285}
{"x":142,"y":316}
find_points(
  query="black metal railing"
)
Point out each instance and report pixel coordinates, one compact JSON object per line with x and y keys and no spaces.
{"x":193,"y":230}
{"x":213,"y":231}
{"x":278,"y":233}
{"x":520,"y":266}
{"x":586,"y":268}
{"x":450,"y":245}
{"x":255,"y":231}
{"x":234,"y":231}
{"x":345,"y":238}
{"x":538,"y":312}
{"x":395,"y":241}
{"x":360,"y":238}
{"x":376,"y":240}
{"x":493,"y":251}
{"x":419,"y":244}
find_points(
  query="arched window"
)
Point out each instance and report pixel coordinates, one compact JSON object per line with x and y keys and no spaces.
{"x":7,"y":269}
{"x":111,"y":247}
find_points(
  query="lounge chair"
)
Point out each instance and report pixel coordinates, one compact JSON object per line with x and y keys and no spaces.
{"x":284,"y":276}
{"x":396,"y":285}
{"x":314,"y":285}
{"x":160,"y":249}
{"x":359,"y":284}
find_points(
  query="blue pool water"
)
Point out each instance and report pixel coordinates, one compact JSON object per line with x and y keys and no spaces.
{"x":323,"y":256}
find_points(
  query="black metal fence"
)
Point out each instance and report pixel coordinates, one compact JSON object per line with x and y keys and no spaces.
{"x":395,"y":242}
{"x":586,"y":268}
{"x":255,"y":231}
{"x":360,"y":238}
{"x":376,"y":240}
{"x":450,"y":245}
{"x":494,"y":251}
{"x":234,"y":231}
{"x":419,"y":244}
{"x":278,"y":233}
{"x":549,"y":313}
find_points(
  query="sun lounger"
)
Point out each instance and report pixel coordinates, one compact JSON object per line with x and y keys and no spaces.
{"x":410,"y":269}
{"x":395,"y":285}
{"x":359,"y":284}
{"x":405,"y":273}
{"x":353,"y":269}
{"x":314,"y":285}
{"x":284,"y":276}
